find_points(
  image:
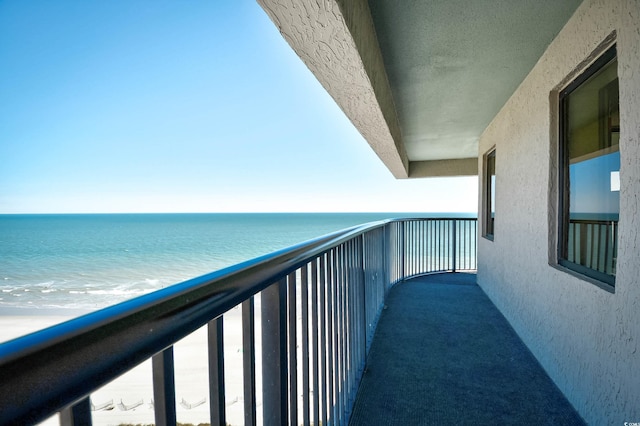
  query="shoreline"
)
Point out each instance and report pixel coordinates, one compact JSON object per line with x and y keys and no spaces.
{"x":12,"y":311}
{"x":17,"y":322}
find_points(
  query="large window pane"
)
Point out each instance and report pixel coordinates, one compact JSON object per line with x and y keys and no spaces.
{"x":590,"y":199}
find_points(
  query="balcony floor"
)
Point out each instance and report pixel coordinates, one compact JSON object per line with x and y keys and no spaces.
{"x":443,"y":354}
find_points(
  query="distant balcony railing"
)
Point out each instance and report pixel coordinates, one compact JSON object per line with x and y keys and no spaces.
{"x":320,"y":302}
{"x":593,"y":244}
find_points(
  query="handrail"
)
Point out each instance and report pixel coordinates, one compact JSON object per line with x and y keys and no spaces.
{"x":51,"y":369}
{"x":594,"y":221}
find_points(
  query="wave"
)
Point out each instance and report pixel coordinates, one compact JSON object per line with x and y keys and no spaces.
{"x":117,"y":292}
{"x":72,"y":294}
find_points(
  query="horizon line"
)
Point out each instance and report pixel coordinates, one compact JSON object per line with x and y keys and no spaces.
{"x":239,"y":212}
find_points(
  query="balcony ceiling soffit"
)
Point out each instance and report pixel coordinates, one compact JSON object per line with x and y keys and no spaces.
{"x":452,"y":64}
{"x":420,"y":80}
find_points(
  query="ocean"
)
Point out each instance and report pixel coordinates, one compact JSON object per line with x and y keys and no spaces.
{"x":87,"y":262}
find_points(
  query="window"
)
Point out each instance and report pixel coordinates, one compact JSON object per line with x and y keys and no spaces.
{"x":589,"y":171}
{"x":489,"y":199}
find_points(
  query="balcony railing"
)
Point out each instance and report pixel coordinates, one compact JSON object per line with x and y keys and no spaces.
{"x":320,"y":302}
{"x":593,"y":244}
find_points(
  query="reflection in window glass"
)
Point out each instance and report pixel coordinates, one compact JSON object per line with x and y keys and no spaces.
{"x":590,"y":132}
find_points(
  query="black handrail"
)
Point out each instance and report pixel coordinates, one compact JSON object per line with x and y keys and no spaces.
{"x":48,"y":370}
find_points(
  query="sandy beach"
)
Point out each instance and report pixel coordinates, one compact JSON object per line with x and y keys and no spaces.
{"x":129,"y":398}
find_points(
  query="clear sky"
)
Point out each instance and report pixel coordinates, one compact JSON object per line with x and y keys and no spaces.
{"x":174,"y":106}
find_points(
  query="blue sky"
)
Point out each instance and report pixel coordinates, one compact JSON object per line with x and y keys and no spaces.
{"x":591,"y":185}
{"x":172,"y":106}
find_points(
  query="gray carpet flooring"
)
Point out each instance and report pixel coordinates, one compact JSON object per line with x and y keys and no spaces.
{"x":443,"y":354}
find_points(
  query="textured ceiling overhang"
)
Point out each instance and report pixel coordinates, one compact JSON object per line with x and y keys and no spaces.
{"x":420,"y":80}
{"x":347,"y":62}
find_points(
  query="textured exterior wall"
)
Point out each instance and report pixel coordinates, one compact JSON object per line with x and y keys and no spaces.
{"x":454,"y":167}
{"x":587,"y":339}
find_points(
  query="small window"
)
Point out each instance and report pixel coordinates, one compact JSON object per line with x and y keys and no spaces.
{"x":590,"y":171}
{"x":489,"y":199}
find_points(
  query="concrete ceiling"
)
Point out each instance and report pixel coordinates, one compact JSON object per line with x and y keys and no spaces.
{"x":421,"y":80}
{"x":452,"y":64}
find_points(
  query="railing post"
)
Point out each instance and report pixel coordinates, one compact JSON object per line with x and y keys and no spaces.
{"x":249,"y":362}
{"x":314,"y":342}
{"x":164,"y":388}
{"x":304,"y":308}
{"x":363,"y":300}
{"x":322,"y":291}
{"x":78,"y":414}
{"x":331,"y":337}
{"x":402,"y":250}
{"x":292,"y":349}
{"x":216,"y":371}
{"x":384,"y":261}
{"x":582,"y":252}
{"x":274,"y":354}
{"x":454,"y":243}
{"x":389,"y":258}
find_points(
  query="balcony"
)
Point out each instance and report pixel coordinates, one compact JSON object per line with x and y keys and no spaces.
{"x":443,"y":354}
{"x":312,"y":349}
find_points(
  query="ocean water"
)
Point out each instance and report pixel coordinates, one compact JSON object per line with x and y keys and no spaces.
{"x":92,"y":261}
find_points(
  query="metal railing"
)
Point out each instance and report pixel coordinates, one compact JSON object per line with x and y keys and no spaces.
{"x":593,"y":244}
{"x":320,"y":302}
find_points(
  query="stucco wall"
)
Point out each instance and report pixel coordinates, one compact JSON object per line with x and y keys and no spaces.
{"x":586,"y":338}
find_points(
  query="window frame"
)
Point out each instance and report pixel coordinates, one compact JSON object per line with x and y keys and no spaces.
{"x":488,"y":226}
{"x":601,"y":279}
